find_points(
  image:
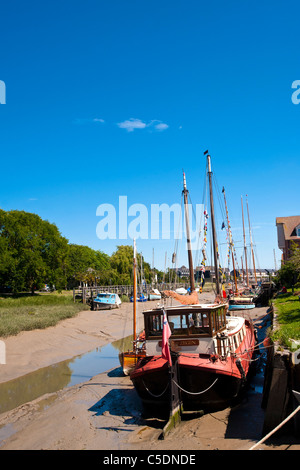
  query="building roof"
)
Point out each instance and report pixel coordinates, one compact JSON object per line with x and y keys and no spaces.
{"x":289,"y":226}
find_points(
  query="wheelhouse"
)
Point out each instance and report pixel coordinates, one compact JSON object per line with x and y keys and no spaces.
{"x":191,"y":321}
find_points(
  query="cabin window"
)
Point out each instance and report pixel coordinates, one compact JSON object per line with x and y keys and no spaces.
{"x":198,"y":323}
{"x":154,"y":325}
{"x":218,"y":320}
{"x":178,"y":324}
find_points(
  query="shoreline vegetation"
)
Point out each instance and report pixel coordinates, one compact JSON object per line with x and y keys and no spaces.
{"x":25,"y":312}
{"x":287,"y":334}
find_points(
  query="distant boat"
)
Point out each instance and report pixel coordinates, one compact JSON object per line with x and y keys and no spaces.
{"x":240,"y":306}
{"x":140,"y":298}
{"x":241,"y":303}
{"x":106,"y":300}
{"x":154,"y":295}
{"x":181,"y":290}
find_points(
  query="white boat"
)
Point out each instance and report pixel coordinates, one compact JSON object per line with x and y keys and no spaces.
{"x":181,"y":290}
{"x":154,"y":295}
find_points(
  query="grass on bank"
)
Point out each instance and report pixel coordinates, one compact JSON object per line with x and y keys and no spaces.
{"x":30,"y":312}
{"x":288,"y":310}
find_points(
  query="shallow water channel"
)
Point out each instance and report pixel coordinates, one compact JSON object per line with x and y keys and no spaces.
{"x":63,"y":374}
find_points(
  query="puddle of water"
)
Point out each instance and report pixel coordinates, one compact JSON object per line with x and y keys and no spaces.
{"x":63,"y":374}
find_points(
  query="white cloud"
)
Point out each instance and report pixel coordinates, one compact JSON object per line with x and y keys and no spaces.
{"x":161,"y":126}
{"x":88,"y":120}
{"x":131,"y":124}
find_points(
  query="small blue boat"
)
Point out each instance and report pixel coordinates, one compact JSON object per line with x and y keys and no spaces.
{"x":140,"y":298}
{"x":241,"y":306}
{"x":105,"y":300}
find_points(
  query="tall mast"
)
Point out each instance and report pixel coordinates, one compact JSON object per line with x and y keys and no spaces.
{"x":191,"y":268}
{"x":245,"y":247}
{"x":230,"y":240}
{"x":213,"y":224}
{"x":134,"y":294}
{"x":251,"y":241}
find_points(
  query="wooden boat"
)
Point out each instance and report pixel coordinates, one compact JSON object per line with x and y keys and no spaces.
{"x":209,"y":352}
{"x":212,"y":352}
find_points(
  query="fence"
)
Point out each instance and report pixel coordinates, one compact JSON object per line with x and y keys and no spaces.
{"x":85,"y":294}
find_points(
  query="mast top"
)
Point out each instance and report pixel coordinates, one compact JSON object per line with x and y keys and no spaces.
{"x":208,"y":161}
{"x":184,"y":182}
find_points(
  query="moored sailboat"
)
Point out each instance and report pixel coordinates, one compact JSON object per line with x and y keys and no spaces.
{"x":210,"y":352}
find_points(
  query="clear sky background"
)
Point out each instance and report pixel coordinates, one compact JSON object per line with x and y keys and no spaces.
{"x":110,"y":98}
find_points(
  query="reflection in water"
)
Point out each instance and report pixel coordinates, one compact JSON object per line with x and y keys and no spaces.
{"x":58,"y":376}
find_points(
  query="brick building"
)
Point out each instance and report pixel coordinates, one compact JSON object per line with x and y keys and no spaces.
{"x":288,"y":231}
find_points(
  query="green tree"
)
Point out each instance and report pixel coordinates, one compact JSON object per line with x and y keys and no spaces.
{"x":289,"y":273}
{"x":87,"y":265}
{"x":32,"y":252}
{"x":122,"y":263}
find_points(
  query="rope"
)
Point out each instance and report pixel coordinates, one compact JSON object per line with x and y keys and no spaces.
{"x":195,"y":393}
{"x":275,"y":429}
{"x":152,"y":394}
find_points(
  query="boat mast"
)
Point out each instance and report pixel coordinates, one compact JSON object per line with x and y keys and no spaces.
{"x":191,"y":268}
{"x":245,"y":247}
{"x":134,"y":294}
{"x":230,"y":240}
{"x":213,"y":224}
{"x":251,"y":241}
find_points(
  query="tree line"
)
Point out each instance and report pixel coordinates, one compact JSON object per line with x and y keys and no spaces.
{"x":34,"y":253}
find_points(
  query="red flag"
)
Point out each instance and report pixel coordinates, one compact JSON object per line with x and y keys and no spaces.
{"x":165,"y":351}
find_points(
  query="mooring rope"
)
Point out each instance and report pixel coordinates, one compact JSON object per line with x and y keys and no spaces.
{"x":152,"y":394}
{"x":275,"y":429}
{"x":195,"y":393}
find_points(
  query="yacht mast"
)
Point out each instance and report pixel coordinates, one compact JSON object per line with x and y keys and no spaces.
{"x":213,"y":224}
{"x":251,"y":241}
{"x":245,"y":247}
{"x":230,"y":241}
{"x":134,"y":294}
{"x":190,"y":256}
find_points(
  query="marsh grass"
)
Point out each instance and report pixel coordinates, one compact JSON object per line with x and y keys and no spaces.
{"x":30,"y":312}
{"x":288,"y":308}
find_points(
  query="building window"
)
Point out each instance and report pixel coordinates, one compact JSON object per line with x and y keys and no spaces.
{"x":298,"y":231}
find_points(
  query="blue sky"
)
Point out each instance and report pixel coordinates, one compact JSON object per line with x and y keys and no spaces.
{"x":111,"y":98}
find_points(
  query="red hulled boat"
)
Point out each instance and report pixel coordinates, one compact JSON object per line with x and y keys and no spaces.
{"x":210,"y":351}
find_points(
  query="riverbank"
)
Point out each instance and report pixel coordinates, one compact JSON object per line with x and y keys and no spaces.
{"x":104,"y":412}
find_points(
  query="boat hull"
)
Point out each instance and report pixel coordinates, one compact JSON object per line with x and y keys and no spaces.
{"x":206,"y":383}
{"x":129,"y":360}
{"x":241,"y":307}
{"x":154,"y":297}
